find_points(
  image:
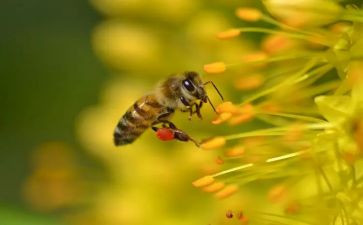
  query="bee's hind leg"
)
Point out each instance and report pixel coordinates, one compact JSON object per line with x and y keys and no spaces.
{"x":182,"y":136}
{"x":178,"y":134}
{"x":164,"y":123}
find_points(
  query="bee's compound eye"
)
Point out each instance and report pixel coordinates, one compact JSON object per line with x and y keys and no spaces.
{"x":188,"y":85}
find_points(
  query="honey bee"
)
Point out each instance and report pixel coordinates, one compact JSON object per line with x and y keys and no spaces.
{"x":182,"y":92}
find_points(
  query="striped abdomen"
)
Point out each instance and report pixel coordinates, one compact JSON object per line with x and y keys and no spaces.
{"x":137,"y":119}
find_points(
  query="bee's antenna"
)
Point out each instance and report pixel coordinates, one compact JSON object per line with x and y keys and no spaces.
{"x":215,"y":87}
{"x":211,"y":104}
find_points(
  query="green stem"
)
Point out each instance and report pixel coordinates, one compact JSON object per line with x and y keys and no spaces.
{"x":277,"y":131}
{"x":245,"y":166}
{"x":285,"y":33}
{"x":295,"y":78}
{"x":287,"y":27}
{"x":294,"y":116}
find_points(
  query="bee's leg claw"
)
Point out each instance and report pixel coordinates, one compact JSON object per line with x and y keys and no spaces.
{"x":197,"y":109}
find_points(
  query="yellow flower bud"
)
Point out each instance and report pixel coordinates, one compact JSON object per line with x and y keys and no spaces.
{"x":277,"y":193}
{"x":278,"y":43}
{"x":304,"y":12}
{"x":216,"y":67}
{"x":214,"y":187}
{"x":294,"y":133}
{"x":226,"y":107}
{"x":240,"y":119}
{"x":270,"y":107}
{"x":340,"y":27}
{"x":236,"y":151}
{"x":228,"y":34}
{"x":227,"y":191}
{"x":219,"y":160}
{"x":222,"y":118}
{"x":292,"y":207}
{"x":249,"y":82}
{"x":204,"y":181}
{"x":248,"y":14}
{"x":213,"y":143}
{"x":245,"y":113}
{"x":254,"y":57}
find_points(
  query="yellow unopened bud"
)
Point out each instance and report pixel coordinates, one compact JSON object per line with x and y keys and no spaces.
{"x":227,"y":191}
{"x":222,"y":118}
{"x":227,"y":34}
{"x":270,"y":107}
{"x":204,"y":181}
{"x":226,"y":107}
{"x":213,"y":143}
{"x":292,"y":207}
{"x":248,"y":14}
{"x":240,"y":119}
{"x":246,"y":109}
{"x":236,"y":151}
{"x":245,"y":113}
{"x":277,"y":193}
{"x":350,"y":158}
{"x":294,"y":133}
{"x":214,"y":187}
{"x":216,"y":67}
{"x":340,"y":27}
{"x":250,"y":82}
{"x":254,"y":57}
{"x":277,"y":43}
{"x":219,"y":160}
{"x":304,"y":12}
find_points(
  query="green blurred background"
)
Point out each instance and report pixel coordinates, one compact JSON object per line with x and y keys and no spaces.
{"x":48,"y":74}
{"x":54,"y":65}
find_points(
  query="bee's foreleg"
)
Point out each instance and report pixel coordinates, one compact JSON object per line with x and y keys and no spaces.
{"x":190,"y":109}
{"x":192,"y":112}
{"x":197,"y":109}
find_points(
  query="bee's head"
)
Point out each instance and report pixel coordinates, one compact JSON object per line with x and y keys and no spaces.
{"x":193,"y":86}
{"x":192,"y":89}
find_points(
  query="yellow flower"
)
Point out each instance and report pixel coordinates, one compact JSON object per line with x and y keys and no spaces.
{"x":213,"y":143}
{"x":222,"y":118}
{"x":236,"y":151}
{"x":204,"y":181}
{"x":226,"y":107}
{"x":249,"y":82}
{"x":214,"y":187}
{"x":227,"y":191}
{"x":304,"y":12}
{"x":216,"y":67}
{"x":248,"y":14}
{"x":231,"y":33}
